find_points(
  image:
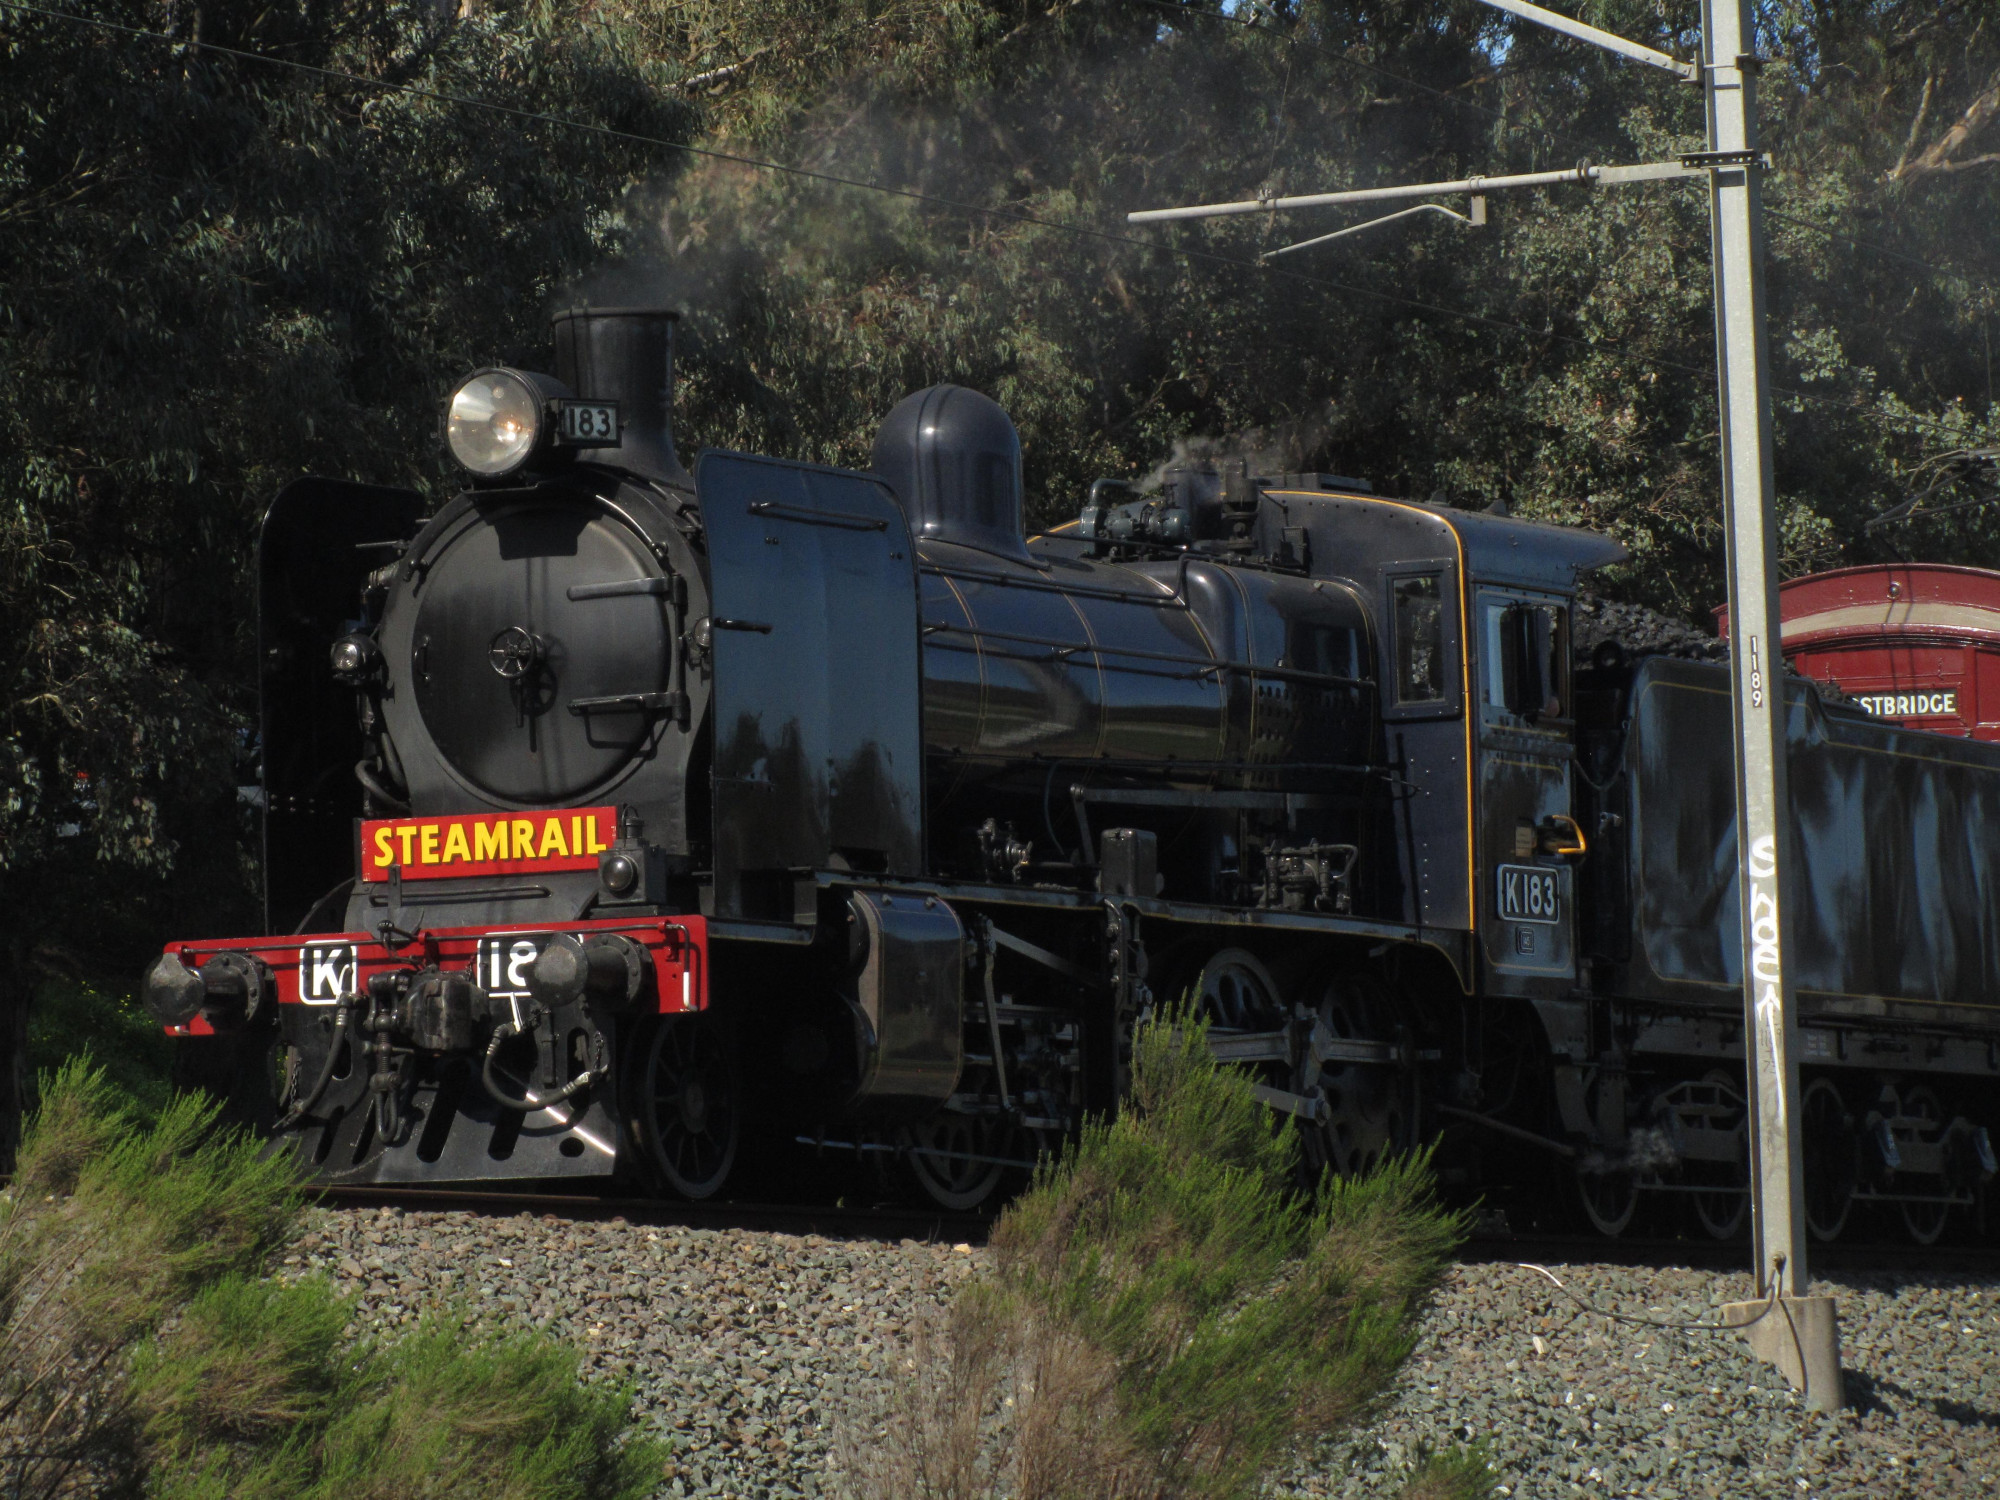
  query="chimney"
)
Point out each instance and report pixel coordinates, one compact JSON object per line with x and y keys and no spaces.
{"x":625,"y":354}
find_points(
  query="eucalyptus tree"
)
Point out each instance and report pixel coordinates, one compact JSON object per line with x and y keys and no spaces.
{"x":1559,"y":360}
{"x":216,"y":274}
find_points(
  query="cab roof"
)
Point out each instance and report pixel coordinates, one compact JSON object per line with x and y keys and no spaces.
{"x":1496,"y":548}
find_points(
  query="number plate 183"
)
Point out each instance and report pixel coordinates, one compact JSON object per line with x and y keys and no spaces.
{"x":1529,"y":893}
{"x":589,"y":424}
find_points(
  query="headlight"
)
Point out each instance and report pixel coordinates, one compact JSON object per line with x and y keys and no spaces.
{"x":494,"y":423}
{"x":356,"y":658}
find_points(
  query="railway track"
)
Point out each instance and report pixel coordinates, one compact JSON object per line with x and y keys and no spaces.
{"x":891,"y":1222}
{"x":1710,"y":1255}
{"x":906,"y":1222}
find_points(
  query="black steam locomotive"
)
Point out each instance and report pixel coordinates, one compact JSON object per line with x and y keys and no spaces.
{"x":617,"y":814}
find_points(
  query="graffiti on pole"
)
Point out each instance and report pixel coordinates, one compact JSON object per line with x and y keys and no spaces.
{"x":1766,"y":957}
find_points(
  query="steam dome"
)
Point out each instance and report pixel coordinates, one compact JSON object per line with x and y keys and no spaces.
{"x":954,"y":460}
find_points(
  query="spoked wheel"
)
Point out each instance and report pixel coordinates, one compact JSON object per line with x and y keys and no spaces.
{"x":687,"y":1114}
{"x":1609,"y":1200}
{"x":1236,"y":995}
{"x":1833,"y":1159}
{"x":1609,"y":1197}
{"x":1924,"y":1221}
{"x":1235,"y":991}
{"x":1723,"y":1212}
{"x":1365,"y":1119}
{"x":957,"y":1160}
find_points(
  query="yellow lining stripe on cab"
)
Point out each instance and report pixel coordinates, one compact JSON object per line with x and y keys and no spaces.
{"x":1464,"y":675}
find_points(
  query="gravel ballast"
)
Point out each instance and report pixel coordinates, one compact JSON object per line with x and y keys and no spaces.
{"x":754,"y":1351}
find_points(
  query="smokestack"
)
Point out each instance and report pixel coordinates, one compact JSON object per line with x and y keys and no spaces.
{"x":625,"y":354}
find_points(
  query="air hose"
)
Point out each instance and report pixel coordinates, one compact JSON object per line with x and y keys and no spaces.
{"x":305,"y":1106}
{"x":379,"y":789}
{"x":526,"y":1104}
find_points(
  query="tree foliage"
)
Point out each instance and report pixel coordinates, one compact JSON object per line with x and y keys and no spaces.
{"x":217,"y":275}
{"x":1560,"y":360}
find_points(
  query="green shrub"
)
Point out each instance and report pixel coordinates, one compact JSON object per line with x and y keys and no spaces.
{"x":281,"y":1411}
{"x":248,"y":1360}
{"x":143,"y":1352}
{"x":71,"y":1020}
{"x":1167,"y":1316}
{"x":500,"y":1417}
{"x":108,"y":1231}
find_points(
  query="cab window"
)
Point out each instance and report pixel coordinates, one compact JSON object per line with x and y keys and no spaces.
{"x":1524,"y":648}
{"x":1421,"y":672}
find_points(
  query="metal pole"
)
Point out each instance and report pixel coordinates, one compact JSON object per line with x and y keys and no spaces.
{"x":1757,"y":665}
{"x":1595,"y":37}
{"x":1583,"y":172}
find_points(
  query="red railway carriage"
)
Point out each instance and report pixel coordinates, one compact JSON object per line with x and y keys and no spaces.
{"x":1917,"y":644}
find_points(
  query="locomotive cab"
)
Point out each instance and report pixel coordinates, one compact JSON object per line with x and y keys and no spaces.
{"x":1478,"y":723}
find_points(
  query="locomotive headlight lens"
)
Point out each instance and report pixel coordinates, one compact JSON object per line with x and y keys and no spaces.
{"x":356,"y":658}
{"x":493,"y":423}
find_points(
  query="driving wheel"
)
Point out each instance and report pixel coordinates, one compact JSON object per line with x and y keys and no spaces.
{"x":1365,"y":1119}
{"x":1235,"y":992}
{"x":1609,"y":1200}
{"x":957,"y":1159}
{"x":951,"y":1160}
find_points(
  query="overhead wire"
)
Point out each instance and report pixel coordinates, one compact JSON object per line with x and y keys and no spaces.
{"x":1552,"y":136}
{"x":1291,"y":40}
{"x":515,"y":112}
{"x":1249,"y":23}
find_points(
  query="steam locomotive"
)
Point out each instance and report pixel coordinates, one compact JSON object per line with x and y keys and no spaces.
{"x":616,"y":815}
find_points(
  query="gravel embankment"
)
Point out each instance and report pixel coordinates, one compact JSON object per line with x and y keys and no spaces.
{"x":748,"y":1348}
{"x":1571,"y":1403}
{"x":752,"y":1350}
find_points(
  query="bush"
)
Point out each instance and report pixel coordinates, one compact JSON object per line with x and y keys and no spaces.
{"x":1167,"y":1316}
{"x":73,"y":1019}
{"x":143,"y":1352}
{"x":256,"y":1396}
